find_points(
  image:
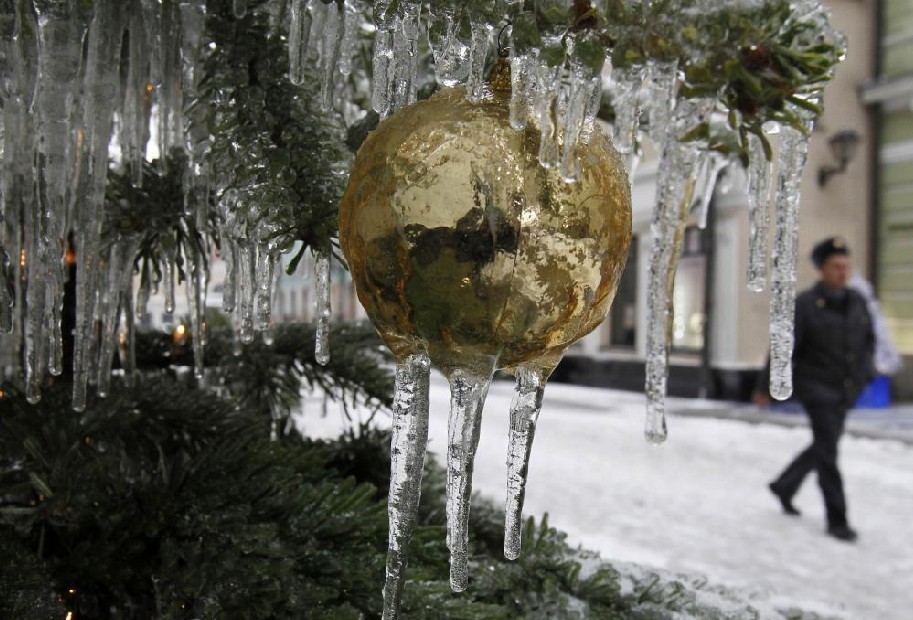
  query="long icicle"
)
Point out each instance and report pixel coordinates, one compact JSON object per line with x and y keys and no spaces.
{"x":675,"y":191}
{"x":792,"y":158}
{"x":93,"y":138}
{"x":120,"y":274}
{"x":758,"y":214}
{"x":524,"y":413}
{"x":331,"y":45}
{"x":247,"y":258}
{"x":266,"y":261}
{"x":196,"y":301}
{"x":322,"y":296}
{"x":468,"y":389}
{"x":407,"y":457}
{"x":299,"y":40}
{"x":625,"y":93}
{"x":383,"y":58}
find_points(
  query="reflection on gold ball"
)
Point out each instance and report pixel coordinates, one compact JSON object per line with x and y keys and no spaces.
{"x":462,"y":244}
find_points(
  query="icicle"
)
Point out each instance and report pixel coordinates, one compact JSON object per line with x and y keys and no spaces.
{"x":171,"y":106}
{"x":661,"y":98}
{"x":135,"y":122}
{"x":246,"y":291}
{"x":407,"y":457}
{"x":7,"y":288}
{"x":758,"y":214}
{"x":322,"y":294}
{"x":592,"y":111}
{"x":713,"y":164}
{"x":481,"y":41}
{"x":351,"y":28}
{"x":144,"y":292}
{"x":452,"y":57}
{"x":168,"y":277}
{"x":625,"y":99}
{"x":675,"y":190}
{"x":118,"y":281}
{"x":196,"y":302}
{"x":59,"y":51}
{"x":266,"y":259}
{"x":230,"y":285}
{"x":405,"y":56}
{"x":522,"y":78}
{"x":792,"y":158}
{"x":547,"y":116}
{"x":468,"y":389}
{"x":299,"y":40}
{"x":579,"y":107}
{"x":35,"y":339}
{"x":128,"y":338}
{"x":332,"y":42}
{"x":524,"y":412}
{"x":93,"y":138}
{"x":383,"y":59}
{"x":54,"y":314}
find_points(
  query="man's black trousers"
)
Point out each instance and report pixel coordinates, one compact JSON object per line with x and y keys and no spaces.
{"x":827,"y":422}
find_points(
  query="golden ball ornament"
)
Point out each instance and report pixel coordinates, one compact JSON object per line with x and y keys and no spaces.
{"x":461,"y":244}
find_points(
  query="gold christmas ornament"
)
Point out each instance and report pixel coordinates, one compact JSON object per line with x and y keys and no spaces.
{"x":467,"y":253}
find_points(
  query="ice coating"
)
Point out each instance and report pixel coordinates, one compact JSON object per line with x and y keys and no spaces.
{"x":407,"y":458}
{"x":791,"y":164}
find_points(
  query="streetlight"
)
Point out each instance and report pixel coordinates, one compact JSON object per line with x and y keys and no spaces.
{"x":843,"y":147}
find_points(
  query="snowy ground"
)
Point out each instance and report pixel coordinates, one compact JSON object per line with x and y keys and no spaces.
{"x":699,"y":504}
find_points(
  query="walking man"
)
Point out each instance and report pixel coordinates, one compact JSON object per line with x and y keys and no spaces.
{"x":832,"y":363}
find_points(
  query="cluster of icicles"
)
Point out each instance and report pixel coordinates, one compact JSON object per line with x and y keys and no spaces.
{"x":65,"y":118}
{"x":61,"y":117}
{"x":562,"y":103}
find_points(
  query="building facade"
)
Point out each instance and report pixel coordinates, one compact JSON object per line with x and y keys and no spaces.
{"x":890,"y":97}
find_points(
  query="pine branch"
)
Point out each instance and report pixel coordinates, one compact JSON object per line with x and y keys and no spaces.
{"x":270,"y":377}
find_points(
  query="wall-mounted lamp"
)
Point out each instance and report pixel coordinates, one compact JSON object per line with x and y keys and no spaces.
{"x":843,"y":146}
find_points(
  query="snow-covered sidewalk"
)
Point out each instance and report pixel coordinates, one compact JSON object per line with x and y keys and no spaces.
{"x":699,"y":504}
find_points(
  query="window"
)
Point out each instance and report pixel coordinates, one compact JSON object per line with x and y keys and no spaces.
{"x":622,"y":328}
{"x":688,"y":297}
